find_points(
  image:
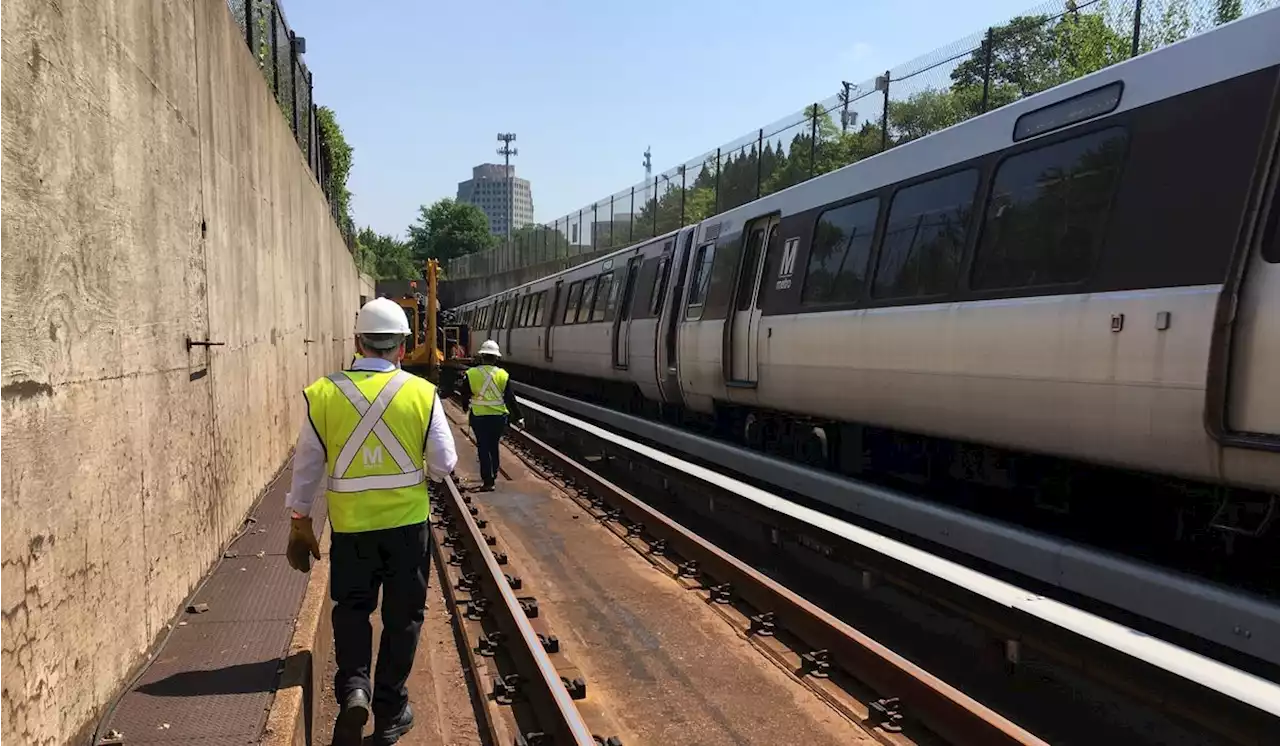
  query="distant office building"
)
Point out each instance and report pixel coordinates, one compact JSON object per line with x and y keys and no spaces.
{"x":499,"y":193}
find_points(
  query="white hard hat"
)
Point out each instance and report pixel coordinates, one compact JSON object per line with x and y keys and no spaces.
{"x":490,"y":348}
{"x":382,"y":316}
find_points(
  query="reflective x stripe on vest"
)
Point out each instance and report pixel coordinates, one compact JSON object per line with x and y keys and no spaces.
{"x":374,"y":450}
{"x":371,"y":421}
{"x":488,"y":399}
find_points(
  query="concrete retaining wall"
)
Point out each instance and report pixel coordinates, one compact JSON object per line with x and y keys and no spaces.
{"x":152,"y":192}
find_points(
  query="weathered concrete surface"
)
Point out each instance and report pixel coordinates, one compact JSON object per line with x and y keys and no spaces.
{"x":152,"y":192}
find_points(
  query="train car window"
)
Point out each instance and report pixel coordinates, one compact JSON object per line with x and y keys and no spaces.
{"x":701,"y":280}
{"x":924,"y":237}
{"x":1047,"y":213}
{"x":588,"y":300}
{"x":538,"y":301}
{"x":528,"y":310}
{"x":606,"y":299}
{"x":571,"y":307}
{"x":660,"y":284}
{"x":840,"y":253}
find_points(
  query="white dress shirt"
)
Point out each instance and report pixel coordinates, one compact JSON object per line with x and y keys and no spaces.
{"x":309,"y":467}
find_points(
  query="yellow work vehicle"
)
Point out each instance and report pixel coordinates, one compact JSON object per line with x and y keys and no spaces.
{"x":444,"y":360}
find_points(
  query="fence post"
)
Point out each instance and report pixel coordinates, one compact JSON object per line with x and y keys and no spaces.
{"x":655,"y":206}
{"x":759,"y":161}
{"x":813,"y":139}
{"x":311,"y":120}
{"x":612,"y":225}
{"x":717,"y":212}
{"x":986,"y":69}
{"x":884,"y":117}
{"x":248,"y":27}
{"x":683,"y":192}
{"x":293,"y":76}
{"x":275,"y":58}
{"x":578,"y":243}
{"x":1137,"y":28}
{"x":631,"y":224}
{"x":594,"y":223}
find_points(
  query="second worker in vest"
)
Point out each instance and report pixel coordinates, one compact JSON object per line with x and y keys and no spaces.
{"x":492,"y":403}
{"x":372,"y":436}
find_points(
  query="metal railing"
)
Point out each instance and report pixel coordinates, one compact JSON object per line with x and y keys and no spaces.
{"x":1034,"y":51}
{"x":278,"y":51}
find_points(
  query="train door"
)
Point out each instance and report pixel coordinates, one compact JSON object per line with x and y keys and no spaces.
{"x":1253,"y":400}
{"x":550,"y":315}
{"x":513,"y":308}
{"x":745,"y":315}
{"x":622,"y":319}
{"x":668,"y":308}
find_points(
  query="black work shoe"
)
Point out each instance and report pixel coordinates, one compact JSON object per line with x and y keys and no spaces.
{"x":387,"y":733}
{"x":488,"y":487}
{"x":349,"y":726}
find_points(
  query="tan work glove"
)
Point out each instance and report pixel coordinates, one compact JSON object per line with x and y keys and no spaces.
{"x":302,"y":541}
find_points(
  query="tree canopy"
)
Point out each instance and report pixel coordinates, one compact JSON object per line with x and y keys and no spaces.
{"x":449,"y":229}
{"x":385,"y":257}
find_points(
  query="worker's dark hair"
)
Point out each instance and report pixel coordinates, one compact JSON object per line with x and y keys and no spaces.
{"x":382,"y":342}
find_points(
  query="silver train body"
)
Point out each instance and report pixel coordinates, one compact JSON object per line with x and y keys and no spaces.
{"x":1092,"y":273}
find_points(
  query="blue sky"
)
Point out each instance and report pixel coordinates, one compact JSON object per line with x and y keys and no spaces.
{"x":422,"y":88}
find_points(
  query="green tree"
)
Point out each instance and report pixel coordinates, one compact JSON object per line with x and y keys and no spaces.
{"x":925,"y":112}
{"x":385,"y":257}
{"x":337,"y":154}
{"x":448,"y":229}
{"x":1227,"y":11}
{"x":535,"y":244}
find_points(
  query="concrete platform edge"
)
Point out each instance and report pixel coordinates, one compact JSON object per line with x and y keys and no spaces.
{"x":291,"y":719}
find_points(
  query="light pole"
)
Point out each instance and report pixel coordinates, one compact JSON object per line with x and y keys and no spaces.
{"x":506,"y":151}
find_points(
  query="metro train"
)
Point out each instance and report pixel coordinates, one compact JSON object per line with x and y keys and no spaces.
{"x":1079,"y":286}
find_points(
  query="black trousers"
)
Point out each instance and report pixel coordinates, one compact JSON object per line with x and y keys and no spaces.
{"x":488,"y":429}
{"x":397,"y":560}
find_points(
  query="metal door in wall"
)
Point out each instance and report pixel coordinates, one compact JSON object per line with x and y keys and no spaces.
{"x":744,"y":317}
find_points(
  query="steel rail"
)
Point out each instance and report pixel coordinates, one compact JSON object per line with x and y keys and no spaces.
{"x":943,"y":709}
{"x":541,"y":682}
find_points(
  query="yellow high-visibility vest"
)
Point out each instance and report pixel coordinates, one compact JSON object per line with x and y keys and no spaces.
{"x":488,"y":383}
{"x":374,"y":429}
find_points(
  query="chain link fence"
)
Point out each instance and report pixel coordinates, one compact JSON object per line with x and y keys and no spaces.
{"x":278,"y":52}
{"x":1043,"y":47}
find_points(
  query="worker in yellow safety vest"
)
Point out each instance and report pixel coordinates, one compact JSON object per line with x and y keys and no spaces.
{"x":372,"y":437}
{"x":492,"y":402}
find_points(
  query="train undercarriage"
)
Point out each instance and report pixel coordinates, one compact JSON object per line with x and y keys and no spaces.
{"x":1222,"y":533}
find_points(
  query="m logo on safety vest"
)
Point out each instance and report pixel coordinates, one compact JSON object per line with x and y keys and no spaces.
{"x":788,"y":265}
{"x":384,"y":442}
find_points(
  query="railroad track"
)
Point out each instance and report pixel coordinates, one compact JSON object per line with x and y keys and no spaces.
{"x":522,"y":668}
{"x":848,"y":670}
{"x":1240,"y":710}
